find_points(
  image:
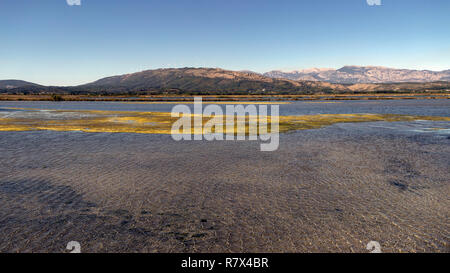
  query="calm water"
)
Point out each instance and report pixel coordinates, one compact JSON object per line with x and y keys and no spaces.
{"x":407,"y":107}
{"x":329,"y":189}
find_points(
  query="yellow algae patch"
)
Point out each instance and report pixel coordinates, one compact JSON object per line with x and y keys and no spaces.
{"x":162,"y":122}
{"x":290,"y":123}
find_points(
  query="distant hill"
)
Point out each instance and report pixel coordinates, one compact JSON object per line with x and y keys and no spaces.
{"x":196,"y":80}
{"x":10,"y":84}
{"x":219,"y":81}
{"x":362,"y":74}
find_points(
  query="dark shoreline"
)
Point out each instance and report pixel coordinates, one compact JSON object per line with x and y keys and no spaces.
{"x":188,"y":98}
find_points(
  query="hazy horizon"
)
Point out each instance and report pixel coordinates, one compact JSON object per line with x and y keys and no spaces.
{"x":242,"y":70}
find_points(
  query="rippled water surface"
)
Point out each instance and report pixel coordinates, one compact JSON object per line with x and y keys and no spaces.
{"x":407,"y":107}
{"x":330,"y":189}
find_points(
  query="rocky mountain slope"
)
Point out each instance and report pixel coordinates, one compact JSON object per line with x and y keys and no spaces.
{"x":362,"y":74}
{"x":218,"y":81}
{"x":195,"y":80}
{"x":11,"y":84}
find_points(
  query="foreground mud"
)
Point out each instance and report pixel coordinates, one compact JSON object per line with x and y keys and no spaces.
{"x":330,"y":189}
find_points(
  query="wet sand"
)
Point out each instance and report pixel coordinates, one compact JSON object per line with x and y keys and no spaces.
{"x":332,"y":189}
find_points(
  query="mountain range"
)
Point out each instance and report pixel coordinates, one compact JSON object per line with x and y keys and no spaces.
{"x":349,"y":79}
{"x":362,"y":74}
{"x":11,"y":84}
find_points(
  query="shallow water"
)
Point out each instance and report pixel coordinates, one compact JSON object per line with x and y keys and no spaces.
{"x":405,"y":107}
{"x":329,"y":189}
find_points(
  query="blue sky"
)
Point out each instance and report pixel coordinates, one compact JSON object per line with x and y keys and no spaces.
{"x":50,"y":42}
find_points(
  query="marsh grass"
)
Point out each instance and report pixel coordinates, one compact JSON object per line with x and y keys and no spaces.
{"x":162,"y":122}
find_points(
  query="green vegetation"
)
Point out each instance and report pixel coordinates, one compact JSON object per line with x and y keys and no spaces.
{"x":55,"y":97}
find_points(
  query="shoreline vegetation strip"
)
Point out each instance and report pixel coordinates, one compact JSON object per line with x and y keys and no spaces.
{"x":96,"y":121}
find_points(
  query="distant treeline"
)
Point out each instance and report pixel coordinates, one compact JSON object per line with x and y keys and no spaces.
{"x":243,"y":88}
